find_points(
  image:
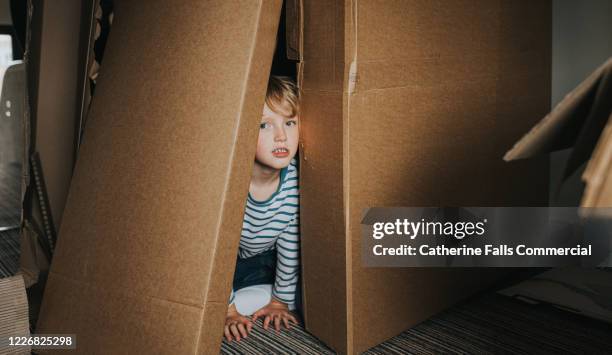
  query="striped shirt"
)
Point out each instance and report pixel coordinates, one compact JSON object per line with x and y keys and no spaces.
{"x":274,"y":224}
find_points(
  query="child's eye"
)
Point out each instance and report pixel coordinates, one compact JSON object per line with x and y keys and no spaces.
{"x":264,"y":125}
{"x":291,"y":123}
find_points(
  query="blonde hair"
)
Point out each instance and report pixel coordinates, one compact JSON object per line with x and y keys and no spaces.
{"x":282,"y":96}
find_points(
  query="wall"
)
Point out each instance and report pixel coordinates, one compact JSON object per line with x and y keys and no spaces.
{"x":582,"y":40}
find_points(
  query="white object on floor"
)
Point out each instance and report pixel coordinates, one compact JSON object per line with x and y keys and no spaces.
{"x":584,"y":291}
{"x":250,"y":299}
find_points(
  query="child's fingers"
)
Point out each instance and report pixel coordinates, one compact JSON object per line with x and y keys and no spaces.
{"x":266,"y":322}
{"x":226,"y":331}
{"x":242,"y":330}
{"x":292,"y":318}
{"x":249,"y":327}
{"x":235,"y":332}
{"x":258,"y":314}
{"x":277,"y":321}
{"x":286,"y":322}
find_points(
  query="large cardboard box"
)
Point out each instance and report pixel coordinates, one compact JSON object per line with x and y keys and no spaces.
{"x":405,"y":103}
{"x":410,"y":103}
{"x":150,"y":233}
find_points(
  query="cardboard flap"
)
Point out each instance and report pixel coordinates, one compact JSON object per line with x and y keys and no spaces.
{"x":593,"y":125}
{"x":563,"y":126}
{"x":598,"y":174}
{"x":147,"y":246}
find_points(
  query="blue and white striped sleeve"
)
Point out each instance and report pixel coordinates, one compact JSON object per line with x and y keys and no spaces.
{"x":287,"y":263}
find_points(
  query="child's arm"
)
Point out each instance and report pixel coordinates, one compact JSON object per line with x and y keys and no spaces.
{"x":287,"y":268}
{"x":287,"y":263}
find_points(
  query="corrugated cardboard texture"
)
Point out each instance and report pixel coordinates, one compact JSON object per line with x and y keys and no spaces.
{"x":423,"y":100}
{"x":146,"y":251}
{"x":321,"y":173}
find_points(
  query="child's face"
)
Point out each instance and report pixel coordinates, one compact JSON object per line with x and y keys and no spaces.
{"x":278,"y":139}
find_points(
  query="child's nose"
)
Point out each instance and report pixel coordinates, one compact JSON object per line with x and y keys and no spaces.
{"x":280,"y":135}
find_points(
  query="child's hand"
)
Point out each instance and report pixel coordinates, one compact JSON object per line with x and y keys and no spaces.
{"x":236,"y":324}
{"x":276,"y":312}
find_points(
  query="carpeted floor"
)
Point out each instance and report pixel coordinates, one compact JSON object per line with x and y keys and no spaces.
{"x":496,"y":324}
{"x":9,"y":252}
{"x":260,"y":341}
{"x":489,"y":324}
{"x":10,"y":213}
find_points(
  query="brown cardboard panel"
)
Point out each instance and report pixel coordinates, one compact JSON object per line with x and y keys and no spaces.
{"x":155,"y":207}
{"x":323,"y":45}
{"x":436,"y":137}
{"x":118,"y":322}
{"x":561,"y":127}
{"x":598,"y":173}
{"x":432,"y":95}
{"x":400,"y":29}
{"x":593,"y":125}
{"x":581,"y":120}
{"x":321,"y":218}
{"x":391,"y":301}
{"x":244,"y":151}
{"x":324,"y":269}
{"x":450,"y":171}
{"x":213,"y":320}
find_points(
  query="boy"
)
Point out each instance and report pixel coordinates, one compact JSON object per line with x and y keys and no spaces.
{"x":267,"y":268}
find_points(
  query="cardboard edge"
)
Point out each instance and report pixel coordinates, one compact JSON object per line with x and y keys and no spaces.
{"x":302,"y":156}
{"x":351,"y":76}
{"x":539,"y":139}
{"x":213,"y":313}
{"x":598,"y":168}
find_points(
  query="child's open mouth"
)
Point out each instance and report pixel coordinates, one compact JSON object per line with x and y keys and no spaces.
{"x":280,"y":152}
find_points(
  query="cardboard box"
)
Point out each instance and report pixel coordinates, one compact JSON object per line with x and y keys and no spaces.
{"x":582,"y":120}
{"x":405,"y":103}
{"x":410,"y":103}
{"x":150,"y":233}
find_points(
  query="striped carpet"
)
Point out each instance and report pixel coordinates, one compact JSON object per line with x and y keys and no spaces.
{"x":496,"y":324}
{"x":10,"y":200}
{"x":260,"y":341}
{"x":10,"y":214}
{"x":489,"y":324}
{"x":9,"y":252}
